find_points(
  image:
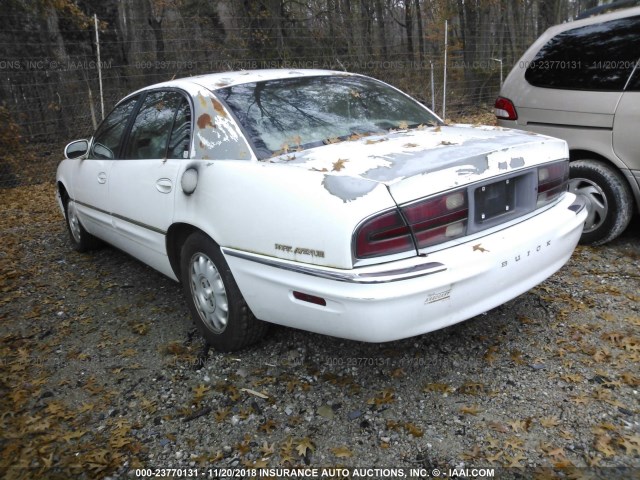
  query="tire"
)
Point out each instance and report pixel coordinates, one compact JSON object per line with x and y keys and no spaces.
{"x":81,"y":240}
{"x":215,"y":302}
{"x":609,"y":200}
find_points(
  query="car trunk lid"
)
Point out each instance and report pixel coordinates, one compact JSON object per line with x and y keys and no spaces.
{"x":417,"y":163}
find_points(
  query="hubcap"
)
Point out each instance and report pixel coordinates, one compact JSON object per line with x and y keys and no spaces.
{"x":597,"y":206}
{"x":74,"y":222}
{"x":209,"y":294}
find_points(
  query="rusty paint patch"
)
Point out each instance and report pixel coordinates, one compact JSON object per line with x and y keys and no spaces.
{"x":217,"y":106}
{"x":204,"y":121}
{"x":202,"y":100}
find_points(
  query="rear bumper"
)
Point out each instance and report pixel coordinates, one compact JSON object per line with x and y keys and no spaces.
{"x":414,"y":296}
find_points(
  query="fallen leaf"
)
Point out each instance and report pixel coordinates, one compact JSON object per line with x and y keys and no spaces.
{"x":342,"y":452}
{"x":518,"y":425}
{"x":438,"y":387}
{"x":268,"y":426}
{"x":471,"y":388}
{"x":514,"y":443}
{"x":305,"y":445}
{"x":326,"y":411}
{"x":222,"y":414}
{"x":413,"y":430}
{"x":338,"y":165}
{"x":498,"y":427}
{"x":472,"y":410}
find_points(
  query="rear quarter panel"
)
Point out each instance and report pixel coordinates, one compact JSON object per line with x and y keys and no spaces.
{"x":276,"y":210}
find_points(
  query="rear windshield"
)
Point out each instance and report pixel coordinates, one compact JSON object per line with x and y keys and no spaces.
{"x":297,"y":113}
{"x":596,"y":57}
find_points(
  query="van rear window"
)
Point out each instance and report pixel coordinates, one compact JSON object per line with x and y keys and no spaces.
{"x":595,"y":57}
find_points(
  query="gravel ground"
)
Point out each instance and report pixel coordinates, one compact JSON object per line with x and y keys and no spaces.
{"x":102,"y":373}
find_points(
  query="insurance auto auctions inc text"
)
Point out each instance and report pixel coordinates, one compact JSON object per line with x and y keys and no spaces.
{"x":353,"y":473}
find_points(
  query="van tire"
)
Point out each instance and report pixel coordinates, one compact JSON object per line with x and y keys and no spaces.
{"x":609,"y":200}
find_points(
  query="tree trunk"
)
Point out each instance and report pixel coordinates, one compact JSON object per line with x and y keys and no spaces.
{"x":382,"y":36}
{"x":408,"y":25}
{"x":365,"y":23}
{"x":420,"y":31}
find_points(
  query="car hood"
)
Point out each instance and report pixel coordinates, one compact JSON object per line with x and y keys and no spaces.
{"x":424,"y":161}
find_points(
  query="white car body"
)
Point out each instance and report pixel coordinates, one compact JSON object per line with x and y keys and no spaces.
{"x":286,"y":224}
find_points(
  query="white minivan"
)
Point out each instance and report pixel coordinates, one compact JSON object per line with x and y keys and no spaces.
{"x":580,"y":81}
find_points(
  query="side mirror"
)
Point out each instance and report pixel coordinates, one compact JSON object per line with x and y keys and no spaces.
{"x":76,"y":149}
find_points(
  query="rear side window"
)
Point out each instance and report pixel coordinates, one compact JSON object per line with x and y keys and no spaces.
{"x":596,"y":57}
{"x":161,"y":128}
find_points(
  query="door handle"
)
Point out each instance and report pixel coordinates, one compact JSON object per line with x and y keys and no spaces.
{"x":164,"y":185}
{"x":102,"y":177}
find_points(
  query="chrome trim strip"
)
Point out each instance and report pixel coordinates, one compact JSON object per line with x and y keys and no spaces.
{"x":567,"y":125}
{"x":365,"y":275}
{"x":139,"y":224}
{"x":120,"y":217}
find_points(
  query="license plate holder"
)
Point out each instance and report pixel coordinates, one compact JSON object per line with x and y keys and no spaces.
{"x":495,"y":199}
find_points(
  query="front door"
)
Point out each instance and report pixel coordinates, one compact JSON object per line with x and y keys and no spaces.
{"x":92,"y":175}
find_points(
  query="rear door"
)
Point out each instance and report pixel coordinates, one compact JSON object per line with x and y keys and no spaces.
{"x":144,"y":181}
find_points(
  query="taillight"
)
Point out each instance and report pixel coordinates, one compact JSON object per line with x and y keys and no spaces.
{"x":505,"y":109}
{"x":383,"y":235}
{"x":553,"y":180}
{"x":432,"y":221}
{"x":439,"y":219}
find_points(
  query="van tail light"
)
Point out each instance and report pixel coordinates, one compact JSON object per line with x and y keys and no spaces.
{"x":553,"y":180}
{"x":422,"y":224}
{"x":505,"y":109}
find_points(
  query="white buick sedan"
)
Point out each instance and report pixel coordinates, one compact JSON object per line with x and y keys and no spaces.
{"x":320,"y":200}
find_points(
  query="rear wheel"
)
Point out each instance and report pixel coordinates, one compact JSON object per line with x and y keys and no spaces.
{"x":216,"y":304}
{"x":609,"y":200}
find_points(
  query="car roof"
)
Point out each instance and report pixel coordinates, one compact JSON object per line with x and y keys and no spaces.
{"x":216,"y":81}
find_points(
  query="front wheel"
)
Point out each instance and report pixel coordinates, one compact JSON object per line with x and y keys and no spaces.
{"x":216,"y":304}
{"x":81,"y":240}
{"x":609,"y":200}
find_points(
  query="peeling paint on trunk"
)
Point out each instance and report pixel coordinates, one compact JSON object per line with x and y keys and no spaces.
{"x":417,"y":163}
{"x":347,"y":188}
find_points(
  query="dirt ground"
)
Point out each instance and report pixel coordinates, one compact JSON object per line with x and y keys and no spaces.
{"x":102,"y":373}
